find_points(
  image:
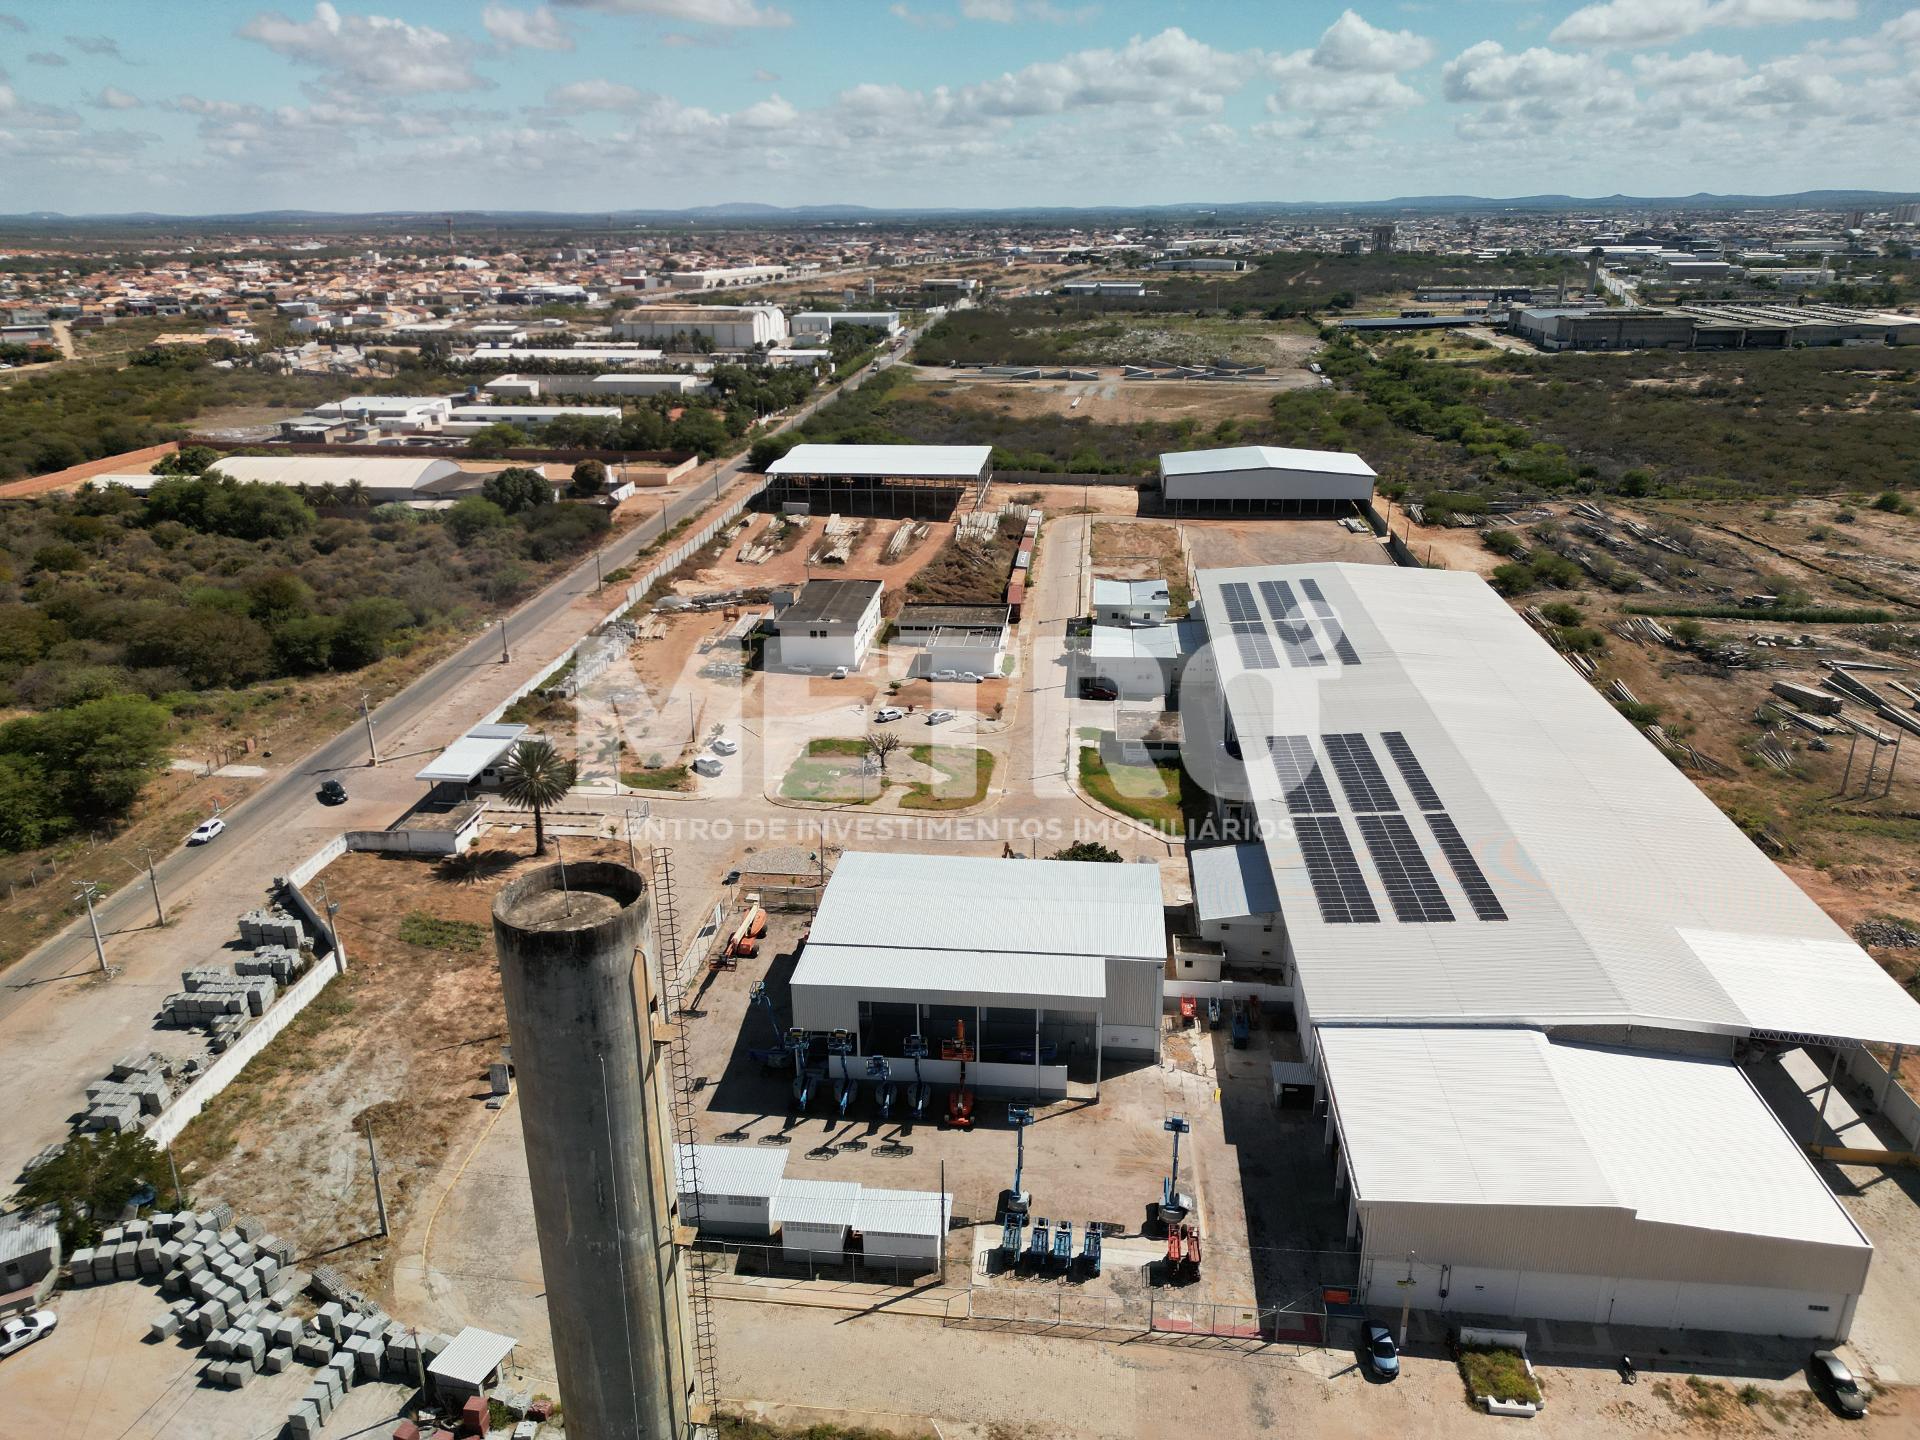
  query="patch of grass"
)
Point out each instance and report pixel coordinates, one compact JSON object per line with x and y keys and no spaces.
{"x":742,"y":1427}
{"x":1498,"y":1372}
{"x":834,"y":780}
{"x":965,"y":775}
{"x":666,"y":777}
{"x":433,"y":933}
{"x":1791,"y":615}
{"x":1706,"y":1401}
{"x":1157,"y":795}
{"x":837,"y":746}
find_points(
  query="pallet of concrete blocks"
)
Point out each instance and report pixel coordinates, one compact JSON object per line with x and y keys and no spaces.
{"x":272,"y":927}
{"x":279,"y":963}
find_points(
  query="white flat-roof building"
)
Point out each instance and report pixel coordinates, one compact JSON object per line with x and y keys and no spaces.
{"x":885,"y":462}
{"x":475,"y":758}
{"x":1131,"y":602}
{"x":814,"y":1217}
{"x":385,"y":479}
{"x":821,"y":322}
{"x":829,"y":624}
{"x":1264,"y":479}
{"x":729,"y":1189}
{"x":1485,"y":876}
{"x":422,"y":410}
{"x":1045,"y":964}
{"x":470,"y":419}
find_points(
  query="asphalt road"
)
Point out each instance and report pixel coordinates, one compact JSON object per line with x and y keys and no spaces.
{"x":288,"y":798}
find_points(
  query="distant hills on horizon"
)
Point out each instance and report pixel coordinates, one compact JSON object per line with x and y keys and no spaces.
{"x":752,"y":211}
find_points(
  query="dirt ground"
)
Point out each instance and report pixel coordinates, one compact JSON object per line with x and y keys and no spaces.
{"x":1143,"y":550}
{"x":403,"y":1040}
{"x":1112,"y":401}
{"x":1217,"y":544}
{"x":791,"y":566}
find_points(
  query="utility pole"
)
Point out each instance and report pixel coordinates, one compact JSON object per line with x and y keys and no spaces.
{"x":1406,"y":1300}
{"x":504,"y":657}
{"x":173,"y":1169}
{"x":87,"y":891}
{"x":373,"y":753}
{"x":333,"y":930}
{"x":599,"y":581}
{"x":153,"y":882}
{"x":379,"y":1199}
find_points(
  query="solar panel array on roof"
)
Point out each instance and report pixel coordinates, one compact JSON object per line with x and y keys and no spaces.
{"x":1359,"y":773}
{"x":1334,"y":873}
{"x":1411,"y":889}
{"x":1317,"y":596}
{"x":1239,"y":602}
{"x":1300,"y":778}
{"x":1411,"y":770}
{"x":1486,"y":905}
{"x":1296,"y":635}
{"x":1243,"y":619}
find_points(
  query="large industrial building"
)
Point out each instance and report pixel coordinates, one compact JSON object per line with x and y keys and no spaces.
{"x":879,"y":479}
{"x":1043,"y":967}
{"x":1527,"y":957}
{"x":726,"y":327}
{"x":1717,"y":325}
{"x":1264,"y":480}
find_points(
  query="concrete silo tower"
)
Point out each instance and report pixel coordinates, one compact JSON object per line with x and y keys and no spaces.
{"x":583,"y":1007}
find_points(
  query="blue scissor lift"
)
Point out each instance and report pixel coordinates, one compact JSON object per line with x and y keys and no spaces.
{"x":840,"y":1043}
{"x":805,"y":1076}
{"x":914,"y":1047}
{"x":881,"y":1074}
{"x":778,"y":1055}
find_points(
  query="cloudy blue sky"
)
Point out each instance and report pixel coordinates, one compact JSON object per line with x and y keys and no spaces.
{"x":216,"y":105}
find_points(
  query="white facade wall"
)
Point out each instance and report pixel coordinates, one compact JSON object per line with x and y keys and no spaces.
{"x":825,"y":646}
{"x":813,"y":1242}
{"x":745,"y":1215}
{"x":1267,"y":484}
{"x":1249,"y":939}
{"x":902,"y":1250}
{"x":1151,"y":612}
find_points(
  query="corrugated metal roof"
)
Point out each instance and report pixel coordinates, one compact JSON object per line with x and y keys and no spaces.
{"x":1129,"y":592}
{"x":936,"y":462}
{"x":977,"y":903}
{"x":1262,"y":457}
{"x":1230,"y":881}
{"x":995,"y":976}
{"x":473,"y":752}
{"x":1616,"y":873}
{"x":1146,"y":642}
{"x":730,"y":1169}
{"x":815,"y":1202}
{"x":473,"y":1355}
{"x":1475,"y":1116}
{"x":375,"y":472}
{"x":903,"y":1212}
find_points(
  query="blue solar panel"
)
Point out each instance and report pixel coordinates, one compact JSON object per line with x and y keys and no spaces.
{"x":1334,"y":874}
{"x":1298,"y":769}
{"x":1360,"y":774}
{"x":1411,"y":770}
{"x":1486,"y":905}
{"x":1411,"y":889}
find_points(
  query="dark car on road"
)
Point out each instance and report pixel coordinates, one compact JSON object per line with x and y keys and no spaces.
{"x":1832,"y":1378}
{"x":332,"y":792}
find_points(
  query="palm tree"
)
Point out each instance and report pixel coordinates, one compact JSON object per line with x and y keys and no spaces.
{"x":355,"y":494}
{"x":536,"y":776}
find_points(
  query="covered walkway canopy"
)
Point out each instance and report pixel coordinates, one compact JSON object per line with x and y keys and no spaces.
{"x":462,"y":762}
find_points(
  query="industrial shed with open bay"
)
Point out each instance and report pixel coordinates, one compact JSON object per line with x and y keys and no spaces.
{"x":1043,"y":966}
{"x":1264,"y":479}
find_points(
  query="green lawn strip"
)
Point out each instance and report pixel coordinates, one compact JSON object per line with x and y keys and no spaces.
{"x":955,"y":765}
{"x":667,"y":777}
{"x":809,"y":779}
{"x":1152,"y":794}
{"x":433,"y":933}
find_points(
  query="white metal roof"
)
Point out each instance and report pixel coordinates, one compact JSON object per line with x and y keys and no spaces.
{"x":979,"y":903}
{"x":375,"y":472}
{"x":902,"y":1212}
{"x":1472,"y":1116}
{"x":730,"y":1169}
{"x":1630,"y":898}
{"x":1262,"y":457}
{"x":471,"y":753}
{"x":815,"y":1202}
{"x":998,"y":976}
{"x":1146,"y":642}
{"x":1129,"y":592}
{"x":1231,"y":881}
{"x":957,"y":462}
{"x":472,"y":1357}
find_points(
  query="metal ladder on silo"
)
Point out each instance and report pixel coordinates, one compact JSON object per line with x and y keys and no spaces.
{"x":686,"y":1136}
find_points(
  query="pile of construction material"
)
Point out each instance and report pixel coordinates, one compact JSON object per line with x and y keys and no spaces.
{"x":351,"y":1347}
{"x":841,"y":534}
{"x":131,"y":1096}
{"x":219,"y":1002}
{"x":273,"y":926}
{"x":279,"y":963}
{"x":904,"y":538}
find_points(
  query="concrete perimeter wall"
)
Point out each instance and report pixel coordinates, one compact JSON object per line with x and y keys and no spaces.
{"x":1901,"y":1110}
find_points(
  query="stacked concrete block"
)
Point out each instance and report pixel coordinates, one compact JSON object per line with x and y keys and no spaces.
{"x":313,"y":1350}
{"x":332,"y":1319}
{"x":103,"y":1263}
{"x":373,"y":1351}
{"x":251,"y":1347}
{"x":272,"y":927}
{"x":304,"y":1422}
{"x":343,"y":1366}
{"x":146,"y":1258}
{"x":164,"y":1327}
{"x":280,"y":1250}
{"x":279,"y":963}
{"x":126,"y":1260}
{"x":80,"y":1265}
{"x":276,"y":1361}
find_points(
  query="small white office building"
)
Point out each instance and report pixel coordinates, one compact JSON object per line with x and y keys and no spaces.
{"x":907,"y":1228}
{"x":1131,"y":602}
{"x":830,"y":623}
{"x":1264,"y":480}
{"x":729,"y":1189}
{"x":1236,"y":907}
{"x":814,"y":1217}
{"x":818,"y":324}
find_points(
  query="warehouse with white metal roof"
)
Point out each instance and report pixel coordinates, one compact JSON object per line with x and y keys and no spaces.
{"x":1486,"y":876}
{"x":1264,"y":480}
{"x":1039,"y":967}
{"x":926,"y":480}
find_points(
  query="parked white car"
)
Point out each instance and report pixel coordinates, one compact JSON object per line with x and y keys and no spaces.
{"x":724,"y":746}
{"x":23,"y":1330}
{"x":944,"y":675}
{"x":939,"y":717}
{"x":972,"y":677}
{"x":206,"y":830}
{"x":839,"y":672}
{"x":886,"y":713}
{"x":709,"y":766}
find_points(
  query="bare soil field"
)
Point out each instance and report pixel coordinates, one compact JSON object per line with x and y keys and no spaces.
{"x":402,"y":1041}
{"x":1113,"y":401}
{"x":1222,"y":543}
{"x":1143,"y":550}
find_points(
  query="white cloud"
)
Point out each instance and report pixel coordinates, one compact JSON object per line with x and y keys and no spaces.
{"x":1631,"y":23}
{"x":1351,"y":44}
{"x":595,"y":95}
{"x":997,"y":12}
{"x":1170,"y":74}
{"x":727,"y":14}
{"x":111,"y":99}
{"x":765,"y":77}
{"x":921,"y":19}
{"x":369,"y":52}
{"x":1702,"y":67}
{"x":535,"y":29}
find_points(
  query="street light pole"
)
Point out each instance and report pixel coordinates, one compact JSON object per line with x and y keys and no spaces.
{"x":366,"y":715}
{"x":153,"y":882}
{"x":379,"y":1199}
{"x":504,"y":657}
